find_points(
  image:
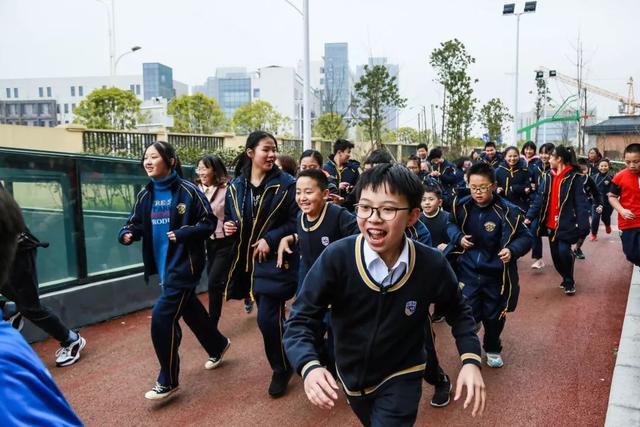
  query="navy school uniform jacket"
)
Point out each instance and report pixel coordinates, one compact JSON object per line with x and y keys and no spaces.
{"x":275,"y":218}
{"x":495,"y":162}
{"x":437,"y":226}
{"x":499,"y":225}
{"x":379,"y":332}
{"x":191,"y":220}
{"x":349,"y":173}
{"x":514,"y":181}
{"x":603,"y":183}
{"x":536,"y":169}
{"x":573,"y":216}
{"x":591,"y":191}
{"x":447,"y":180}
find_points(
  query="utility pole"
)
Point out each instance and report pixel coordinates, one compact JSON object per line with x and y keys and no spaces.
{"x":444,"y":109}
{"x":434,"y":131}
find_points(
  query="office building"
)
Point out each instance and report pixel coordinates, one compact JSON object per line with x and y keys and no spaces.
{"x":337,"y":79}
{"x":390,"y":114}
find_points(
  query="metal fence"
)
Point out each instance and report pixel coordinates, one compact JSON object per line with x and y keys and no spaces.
{"x":203,"y":142}
{"x":116,"y":143}
{"x":292,"y":147}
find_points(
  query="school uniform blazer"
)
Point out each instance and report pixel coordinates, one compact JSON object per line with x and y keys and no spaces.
{"x":495,"y":162}
{"x":603,"y":183}
{"x":514,"y":181}
{"x":536,"y":169}
{"x":573,"y":216}
{"x":379,"y":331}
{"x":591,"y":191}
{"x":275,"y":218}
{"x":447,"y":179}
{"x":192,"y":221}
{"x":349,"y":173}
{"x":515,"y":236}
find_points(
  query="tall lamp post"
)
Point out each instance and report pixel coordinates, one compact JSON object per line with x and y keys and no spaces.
{"x":115,"y":65}
{"x":509,"y":9}
{"x":112,"y":33}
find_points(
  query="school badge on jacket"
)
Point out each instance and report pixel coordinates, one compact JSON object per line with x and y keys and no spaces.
{"x":489,"y":226}
{"x":410,"y":307}
{"x":325,"y":240}
{"x":182,"y":208}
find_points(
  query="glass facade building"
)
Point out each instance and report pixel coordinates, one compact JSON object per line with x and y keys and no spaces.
{"x":157,"y":81}
{"x":337,"y":78}
{"x":233,"y":93}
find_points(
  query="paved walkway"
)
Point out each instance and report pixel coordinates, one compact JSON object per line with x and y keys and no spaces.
{"x":559,"y":354}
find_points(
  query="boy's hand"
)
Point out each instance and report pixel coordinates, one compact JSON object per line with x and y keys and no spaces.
{"x":172,"y":236}
{"x":284,"y":247}
{"x":471,"y":377}
{"x":466,"y":242}
{"x":442,"y":247}
{"x":527,"y":221}
{"x":229,"y":227}
{"x":320,"y":388}
{"x":599,"y":209}
{"x":505,"y":255}
{"x":261,"y":250}
{"x":335,"y":198}
{"x":344,"y":186}
{"x":499,"y":190}
{"x":127,"y":238}
{"x":626,"y":213}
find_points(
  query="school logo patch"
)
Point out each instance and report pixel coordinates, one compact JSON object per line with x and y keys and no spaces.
{"x":460,"y":285}
{"x":606,"y":183}
{"x":325,"y":240}
{"x":489,"y":226}
{"x":410,"y":307}
{"x":182,"y":208}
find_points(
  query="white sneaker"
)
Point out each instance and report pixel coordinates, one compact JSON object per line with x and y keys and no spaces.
{"x":70,"y":354}
{"x":538,"y":265}
{"x":214,"y":362}
{"x":160,"y":392}
{"x":494,"y":360}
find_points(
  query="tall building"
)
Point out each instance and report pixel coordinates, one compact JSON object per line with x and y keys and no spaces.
{"x":231,"y":87}
{"x":391,"y":113}
{"x":157,"y":80}
{"x":40,"y":112}
{"x":337,"y":79}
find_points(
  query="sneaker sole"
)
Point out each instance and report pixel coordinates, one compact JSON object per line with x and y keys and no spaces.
{"x":215,"y":365}
{"x":162,"y":396}
{"x":83,"y":343}
{"x":570,"y":293}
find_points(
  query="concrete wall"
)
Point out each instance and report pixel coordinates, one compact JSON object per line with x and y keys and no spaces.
{"x":68,"y":140}
{"x":612,"y":146}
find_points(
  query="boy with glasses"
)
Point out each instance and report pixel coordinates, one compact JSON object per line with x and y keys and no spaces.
{"x":491,"y":234}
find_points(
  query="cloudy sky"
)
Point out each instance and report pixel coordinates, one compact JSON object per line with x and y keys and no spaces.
{"x":45,"y":38}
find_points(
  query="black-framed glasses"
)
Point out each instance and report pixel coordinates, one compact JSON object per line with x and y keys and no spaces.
{"x":385,"y":213}
{"x":480,"y":189}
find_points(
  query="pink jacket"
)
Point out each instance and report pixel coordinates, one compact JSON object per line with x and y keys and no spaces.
{"x":215,"y":195}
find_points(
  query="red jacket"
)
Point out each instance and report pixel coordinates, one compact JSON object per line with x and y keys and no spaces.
{"x":554,"y":198}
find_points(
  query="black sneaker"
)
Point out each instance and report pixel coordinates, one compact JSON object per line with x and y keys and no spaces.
{"x":570,"y":290}
{"x":214,"y":362}
{"x":442,"y":394}
{"x":579,"y":254}
{"x":279,"y":383}
{"x":160,"y":392}
{"x":17,"y":321}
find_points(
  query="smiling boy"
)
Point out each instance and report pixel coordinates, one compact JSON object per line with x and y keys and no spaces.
{"x":380,"y":285}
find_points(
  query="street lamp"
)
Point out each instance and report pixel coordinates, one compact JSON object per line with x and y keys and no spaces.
{"x":115,"y":65}
{"x":306,"y":91}
{"x":508,"y":10}
{"x":112,"y":33}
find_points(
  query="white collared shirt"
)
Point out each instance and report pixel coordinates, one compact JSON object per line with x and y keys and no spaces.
{"x":378,"y":269}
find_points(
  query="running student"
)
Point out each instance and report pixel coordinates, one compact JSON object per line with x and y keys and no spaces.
{"x":173,"y":218}
{"x":514,"y":179}
{"x":595,"y":200}
{"x":603,"y":182}
{"x":492,"y":234}
{"x":540,"y":179}
{"x":344,"y":170}
{"x":624,"y":197}
{"x":380,"y":285}
{"x":491,"y":155}
{"x":260,"y":209}
{"x":444,"y":174}
{"x":312,"y":159}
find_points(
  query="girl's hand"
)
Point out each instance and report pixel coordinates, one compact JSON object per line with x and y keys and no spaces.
{"x":229,"y":228}
{"x":261,"y":250}
{"x":172,"y":236}
{"x":127,"y":238}
{"x":284,"y":247}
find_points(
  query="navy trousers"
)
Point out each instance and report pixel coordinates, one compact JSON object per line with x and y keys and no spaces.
{"x":596,"y":217}
{"x":433,"y":373}
{"x":166,"y":333}
{"x":563,"y":260}
{"x":393,"y":404}
{"x":536,"y":246}
{"x":219,"y":259}
{"x":271,"y":324}
{"x":631,"y":245}
{"x":487,"y":305}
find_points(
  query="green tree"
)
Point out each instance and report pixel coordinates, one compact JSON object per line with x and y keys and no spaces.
{"x":374,"y":92}
{"x":196,"y":114}
{"x":493,"y":116}
{"x":542,"y":100}
{"x":451,"y":62}
{"x":259,"y":115}
{"x":330,"y":126}
{"x":109,"y":108}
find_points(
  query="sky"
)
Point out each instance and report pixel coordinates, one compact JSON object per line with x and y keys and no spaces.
{"x":62,"y":38}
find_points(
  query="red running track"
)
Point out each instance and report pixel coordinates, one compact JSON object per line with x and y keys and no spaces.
{"x":559,"y":355}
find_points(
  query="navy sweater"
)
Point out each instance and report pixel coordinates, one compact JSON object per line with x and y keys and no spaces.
{"x":437,"y":226}
{"x":378,"y":332}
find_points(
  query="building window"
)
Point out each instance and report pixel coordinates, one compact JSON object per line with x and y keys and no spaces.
{"x":137,"y":89}
{"x":66,"y":108}
{"x":15,"y":92}
{"x":73,"y":91}
{"x":73,"y":107}
{"x":256,"y":93}
{"x":132,"y":88}
{"x":8,"y":93}
{"x":40,"y":92}
{"x":58,"y":109}
{"x":51,"y":123}
{"x":49,"y":91}
{"x":80,"y":91}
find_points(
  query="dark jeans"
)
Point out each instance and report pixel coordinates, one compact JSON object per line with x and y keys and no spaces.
{"x":166,"y":332}
{"x":487,"y":304}
{"x":563,"y":260}
{"x":219,"y":252}
{"x":393,"y":404}
{"x":596,"y":217}
{"x":631,"y":245}
{"x":22,"y":288}
{"x":271,"y":324}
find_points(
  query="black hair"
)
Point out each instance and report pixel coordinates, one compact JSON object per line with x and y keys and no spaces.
{"x":211,"y":161}
{"x":422,"y":145}
{"x":317,"y":156}
{"x":435,"y":153}
{"x":632,"y":148}
{"x":460,"y":162}
{"x":243,"y":161}
{"x":341,"y":145}
{"x":378,"y":156}
{"x":482,"y":169}
{"x":567,"y":155}
{"x":396,"y":179}
{"x":582,"y":161}
{"x":413,"y":158}
{"x":288,"y":164}
{"x":489,"y":144}
{"x":597,"y":151}
{"x":433,"y":189}
{"x":317,"y":175}
{"x":168,"y":153}
{"x":605,"y":160}
{"x":11,"y":225}
{"x":506,"y":150}
{"x":530,"y":144}
{"x":547,"y":148}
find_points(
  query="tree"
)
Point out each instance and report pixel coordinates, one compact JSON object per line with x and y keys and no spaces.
{"x":376,"y":91}
{"x":492,"y":116}
{"x":196,"y":114}
{"x":451,"y":62}
{"x":408,"y":135}
{"x":542,"y":100}
{"x":109,"y":108}
{"x":258,"y":115}
{"x":330,"y":126}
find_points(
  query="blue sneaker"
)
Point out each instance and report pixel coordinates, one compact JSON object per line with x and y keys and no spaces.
{"x":494,"y":360}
